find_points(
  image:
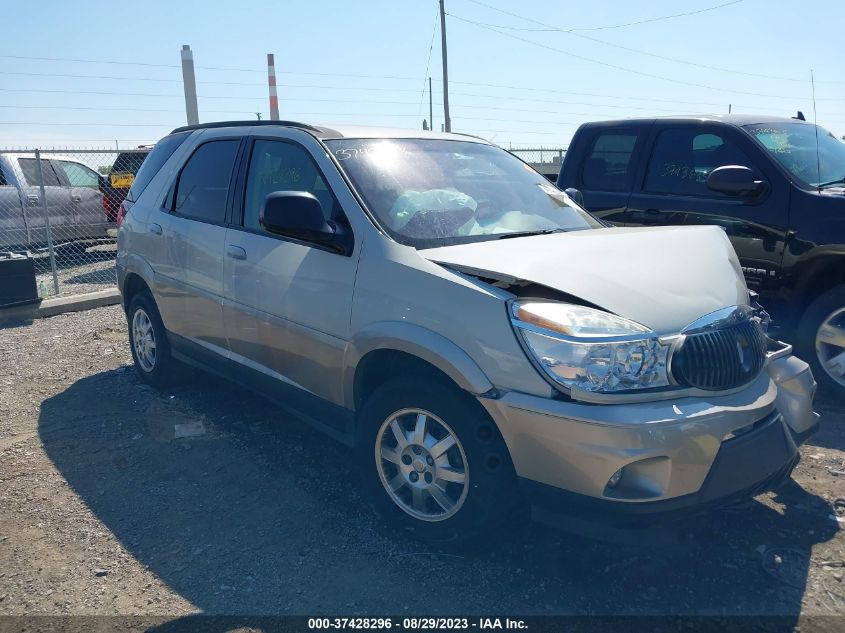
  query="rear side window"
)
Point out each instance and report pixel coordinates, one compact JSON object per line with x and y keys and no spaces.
{"x":79,"y":175}
{"x":608,"y":162}
{"x":203,"y":184}
{"x":29,"y":167}
{"x":155,"y":159}
{"x":683,"y":158}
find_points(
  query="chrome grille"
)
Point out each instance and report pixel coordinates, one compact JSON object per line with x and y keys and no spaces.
{"x":722,"y":358}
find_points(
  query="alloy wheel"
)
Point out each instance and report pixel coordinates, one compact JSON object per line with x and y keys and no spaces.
{"x":830,"y":346}
{"x":422,"y":464}
{"x":143,"y":340}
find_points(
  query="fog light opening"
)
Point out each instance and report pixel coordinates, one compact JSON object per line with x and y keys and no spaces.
{"x":615,"y":478}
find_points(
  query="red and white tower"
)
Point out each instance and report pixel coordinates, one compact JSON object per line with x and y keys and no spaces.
{"x":271,"y":80}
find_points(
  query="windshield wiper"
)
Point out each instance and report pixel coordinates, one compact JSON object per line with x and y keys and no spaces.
{"x":528,"y":233}
{"x":838,"y":181}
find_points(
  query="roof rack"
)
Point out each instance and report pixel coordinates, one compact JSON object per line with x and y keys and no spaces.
{"x":216,"y":124}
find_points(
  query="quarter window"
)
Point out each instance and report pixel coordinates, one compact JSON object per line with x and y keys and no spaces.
{"x":29,"y":167}
{"x":203,"y":185}
{"x":683,"y":158}
{"x":280,"y":166}
{"x":606,"y":167}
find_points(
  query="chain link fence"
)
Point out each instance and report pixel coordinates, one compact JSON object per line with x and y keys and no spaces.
{"x":545,"y":160}
{"x":60,"y":208}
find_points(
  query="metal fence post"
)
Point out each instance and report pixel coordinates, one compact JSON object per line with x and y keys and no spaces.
{"x":47,"y":222}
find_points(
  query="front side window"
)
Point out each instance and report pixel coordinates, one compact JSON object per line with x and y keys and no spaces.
{"x":427,"y":193}
{"x":79,"y":175}
{"x":683,"y":158}
{"x":281,"y":166}
{"x":29,"y":167}
{"x":203,"y":185}
{"x":607,"y":164}
{"x":794,"y":146}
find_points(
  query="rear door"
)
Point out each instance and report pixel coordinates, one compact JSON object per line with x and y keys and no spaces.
{"x":672,"y":190}
{"x":192,"y":231}
{"x":85,"y":194}
{"x":59,"y":205}
{"x":605,"y":175}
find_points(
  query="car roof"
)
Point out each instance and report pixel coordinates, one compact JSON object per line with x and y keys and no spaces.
{"x":325,"y":132}
{"x":726,"y":119}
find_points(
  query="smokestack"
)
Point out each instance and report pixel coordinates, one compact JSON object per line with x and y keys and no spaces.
{"x":271,"y":80}
{"x":189,"y":82}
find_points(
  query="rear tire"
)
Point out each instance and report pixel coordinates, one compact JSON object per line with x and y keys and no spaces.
{"x":821,"y":340}
{"x":447,"y":479}
{"x":148,"y":341}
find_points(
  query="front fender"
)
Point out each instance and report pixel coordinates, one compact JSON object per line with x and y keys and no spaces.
{"x":418,"y":341}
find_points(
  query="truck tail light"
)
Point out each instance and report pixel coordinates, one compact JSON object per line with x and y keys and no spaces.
{"x":121,"y":213}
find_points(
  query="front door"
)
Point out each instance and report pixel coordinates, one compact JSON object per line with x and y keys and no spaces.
{"x":59,"y":204}
{"x":287,"y":302}
{"x":673,"y":191}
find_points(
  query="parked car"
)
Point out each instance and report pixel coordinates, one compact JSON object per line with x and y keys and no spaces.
{"x":73,"y":196}
{"x":777,"y":194}
{"x":473,"y":335}
{"x":120,"y":179}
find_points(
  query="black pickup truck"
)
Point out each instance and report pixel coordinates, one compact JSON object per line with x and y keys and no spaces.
{"x":775,"y":185}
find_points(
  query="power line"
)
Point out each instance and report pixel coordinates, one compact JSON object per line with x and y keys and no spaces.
{"x":551,"y":28}
{"x":428,"y":61}
{"x":622,"y":68}
{"x":615,"y":26}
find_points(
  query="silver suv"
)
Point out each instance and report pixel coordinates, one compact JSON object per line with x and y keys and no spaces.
{"x":475,"y":335}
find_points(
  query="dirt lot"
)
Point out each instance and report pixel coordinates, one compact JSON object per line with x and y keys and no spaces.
{"x":104,"y":511}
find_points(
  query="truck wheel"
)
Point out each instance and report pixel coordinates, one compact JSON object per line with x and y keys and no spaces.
{"x":433,"y":463}
{"x":821,"y":340}
{"x":148,"y":341}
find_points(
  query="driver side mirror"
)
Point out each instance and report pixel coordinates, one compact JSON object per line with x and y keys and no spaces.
{"x":576,"y":195}
{"x":296,"y":214}
{"x":736,"y":180}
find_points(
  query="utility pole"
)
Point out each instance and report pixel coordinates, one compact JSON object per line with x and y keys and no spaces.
{"x":430,"y":107}
{"x":271,"y":81}
{"x":189,"y":81}
{"x":448,"y":123}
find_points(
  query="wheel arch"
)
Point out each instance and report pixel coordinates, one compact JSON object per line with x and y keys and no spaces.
{"x":382,"y":351}
{"x":819,"y":275}
{"x":136,"y":277}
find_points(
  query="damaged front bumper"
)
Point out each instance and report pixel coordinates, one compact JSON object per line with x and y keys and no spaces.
{"x":673,"y":454}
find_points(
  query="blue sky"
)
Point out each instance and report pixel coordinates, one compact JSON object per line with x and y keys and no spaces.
{"x":511,"y":79}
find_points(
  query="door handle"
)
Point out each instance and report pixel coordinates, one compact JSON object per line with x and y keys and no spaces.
{"x":235,"y":252}
{"x":32,"y":198}
{"x":155,"y":228}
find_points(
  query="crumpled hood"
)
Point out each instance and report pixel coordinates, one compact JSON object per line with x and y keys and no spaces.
{"x":664,"y":278}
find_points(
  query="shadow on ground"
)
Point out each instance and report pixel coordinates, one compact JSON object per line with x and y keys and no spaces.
{"x":260,"y":515}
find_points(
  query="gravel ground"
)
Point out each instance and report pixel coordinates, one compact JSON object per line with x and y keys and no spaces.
{"x":104,"y":511}
{"x":79,"y":270}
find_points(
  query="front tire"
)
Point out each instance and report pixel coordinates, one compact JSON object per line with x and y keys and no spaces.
{"x":433,"y":462}
{"x":148,"y":341}
{"x":821,"y":340}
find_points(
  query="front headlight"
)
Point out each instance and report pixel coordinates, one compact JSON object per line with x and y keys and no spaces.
{"x":588,"y":349}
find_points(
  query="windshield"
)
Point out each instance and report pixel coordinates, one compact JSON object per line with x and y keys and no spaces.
{"x":793,"y":145}
{"x":429,"y":193}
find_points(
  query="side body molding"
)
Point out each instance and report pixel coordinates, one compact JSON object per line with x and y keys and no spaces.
{"x":417,"y":341}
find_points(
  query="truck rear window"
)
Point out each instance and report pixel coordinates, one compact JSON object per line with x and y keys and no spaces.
{"x":606,"y":167}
